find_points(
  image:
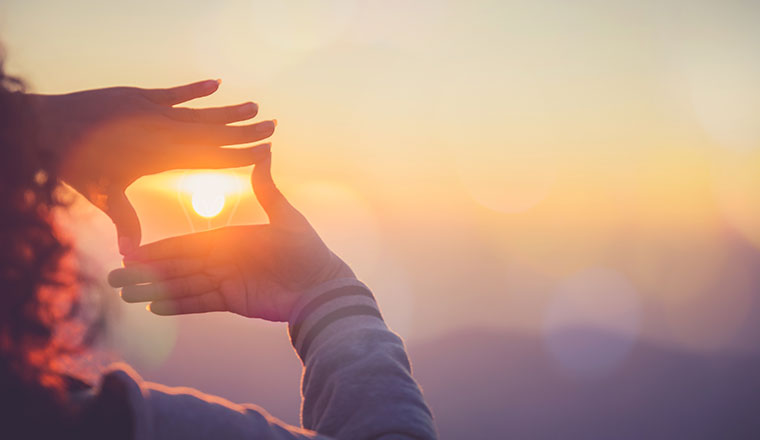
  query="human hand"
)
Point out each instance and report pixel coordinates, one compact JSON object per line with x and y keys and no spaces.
{"x":108,"y":138}
{"x":258,"y":271}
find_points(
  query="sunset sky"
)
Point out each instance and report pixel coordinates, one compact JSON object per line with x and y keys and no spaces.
{"x":514,"y":165}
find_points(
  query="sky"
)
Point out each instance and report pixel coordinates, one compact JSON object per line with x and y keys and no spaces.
{"x":526,"y":166}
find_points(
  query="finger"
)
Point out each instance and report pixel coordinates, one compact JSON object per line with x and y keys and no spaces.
{"x":125,"y":218}
{"x":216,"y":115}
{"x":192,"y":285}
{"x":208,"y":302}
{"x":177,"y":95}
{"x":222,"y":157}
{"x":183,"y":246}
{"x":204,"y":134}
{"x":154,"y":271}
{"x":270,"y":198}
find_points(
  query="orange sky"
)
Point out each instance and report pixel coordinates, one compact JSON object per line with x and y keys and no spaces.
{"x":471,"y":160}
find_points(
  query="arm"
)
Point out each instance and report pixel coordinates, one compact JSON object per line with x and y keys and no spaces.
{"x":168,"y":413}
{"x":357,"y":381}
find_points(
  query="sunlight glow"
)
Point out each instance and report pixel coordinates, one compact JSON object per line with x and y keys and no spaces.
{"x":301,"y":26}
{"x":209,"y":191}
{"x":208,"y":203}
{"x":499,"y":146}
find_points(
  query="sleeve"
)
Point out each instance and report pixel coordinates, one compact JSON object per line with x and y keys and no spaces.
{"x":168,"y":413}
{"x":357,"y":381}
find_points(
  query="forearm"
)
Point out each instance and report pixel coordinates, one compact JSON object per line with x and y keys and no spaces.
{"x":357,"y":381}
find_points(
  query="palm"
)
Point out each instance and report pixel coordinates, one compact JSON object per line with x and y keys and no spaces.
{"x":260,"y":269}
{"x":255,"y":298}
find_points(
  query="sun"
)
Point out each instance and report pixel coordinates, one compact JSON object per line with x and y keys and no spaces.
{"x":208,"y":192}
{"x":208,"y":203}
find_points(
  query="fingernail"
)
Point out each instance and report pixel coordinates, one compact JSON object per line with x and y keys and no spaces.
{"x":274,"y":121}
{"x":247,"y":109}
{"x":125,"y":246}
{"x":266,"y":126}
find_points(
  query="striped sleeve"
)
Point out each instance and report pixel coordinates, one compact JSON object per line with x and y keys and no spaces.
{"x":357,"y":380}
{"x":328,"y":309}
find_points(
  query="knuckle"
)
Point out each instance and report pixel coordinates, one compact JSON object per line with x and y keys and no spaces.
{"x":127,"y":294}
{"x":170,"y":248}
{"x":171,"y":268}
{"x":186,"y":305}
{"x":229,"y":114}
{"x":123,"y":92}
{"x":182,"y":287}
{"x":209,"y":282}
{"x":207,"y":302}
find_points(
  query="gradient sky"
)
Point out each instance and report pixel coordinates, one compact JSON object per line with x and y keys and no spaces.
{"x":530,"y":165}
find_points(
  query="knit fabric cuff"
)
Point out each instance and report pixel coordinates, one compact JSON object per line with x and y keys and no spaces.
{"x":331,"y":308}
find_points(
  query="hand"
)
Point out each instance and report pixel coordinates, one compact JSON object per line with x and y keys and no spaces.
{"x":258,"y":271}
{"x":108,"y":138}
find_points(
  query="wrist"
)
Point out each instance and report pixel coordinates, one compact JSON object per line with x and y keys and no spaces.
{"x":335,"y":269}
{"x":331,"y":307}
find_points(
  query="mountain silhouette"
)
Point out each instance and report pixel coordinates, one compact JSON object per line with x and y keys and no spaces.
{"x":490,"y":385}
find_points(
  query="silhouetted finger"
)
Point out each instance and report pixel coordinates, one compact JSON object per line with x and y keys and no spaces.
{"x":222,"y":157}
{"x":270,"y":198}
{"x":216,"y":115}
{"x":208,"y":302}
{"x":204,"y":134}
{"x":192,"y":285}
{"x":183,"y":246}
{"x":125,"y":218}
{"x":154,"y":271}
{"x":180,"y":94}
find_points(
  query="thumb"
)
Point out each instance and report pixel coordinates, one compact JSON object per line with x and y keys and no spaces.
{"x":127,"y":224}
{"x":271,"y":199}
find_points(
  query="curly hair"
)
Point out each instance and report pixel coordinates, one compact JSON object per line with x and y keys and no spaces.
{"x":39,"y":288}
